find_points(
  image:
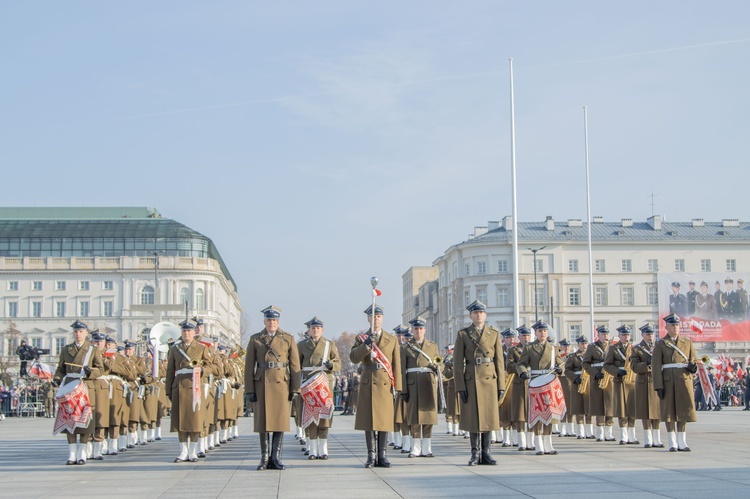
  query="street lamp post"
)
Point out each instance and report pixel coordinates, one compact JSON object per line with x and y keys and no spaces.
{"x":536,"y":293}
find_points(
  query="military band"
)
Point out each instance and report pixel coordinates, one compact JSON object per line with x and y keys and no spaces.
{"x":578,"y":405}
{"x":617,"y":365}
{"x":567,"y":425}
{"x":647,"y":405}
{"x":519,"y":395}
{"x":601,"y":401}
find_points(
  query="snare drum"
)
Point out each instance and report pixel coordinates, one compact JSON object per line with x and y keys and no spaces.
{"x":74,"y":407}
{"x":546,"y":399}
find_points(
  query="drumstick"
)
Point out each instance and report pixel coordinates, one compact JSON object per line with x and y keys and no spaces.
{"x":74,"y":365}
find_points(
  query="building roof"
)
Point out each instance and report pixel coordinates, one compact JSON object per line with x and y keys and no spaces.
{"x":728,"y":231}
{"x":143,"y":224}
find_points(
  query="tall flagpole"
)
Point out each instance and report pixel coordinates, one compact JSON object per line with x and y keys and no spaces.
{"x":588,"y":214}
{"x":516,"y":315}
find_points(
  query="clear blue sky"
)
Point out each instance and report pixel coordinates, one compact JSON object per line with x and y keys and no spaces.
{"x":319,"y":143}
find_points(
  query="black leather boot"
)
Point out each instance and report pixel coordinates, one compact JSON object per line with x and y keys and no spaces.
{"x":263,"y":451}
{"x":370,"y":441}
{"x":382,"y":449}
{"x":474,"y":439}
{"x":274,"y":462}
{"x":486,"y":454}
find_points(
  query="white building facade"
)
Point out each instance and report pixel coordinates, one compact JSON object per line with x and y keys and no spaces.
{"x":627,"y":259}
{"x":118,"y":270}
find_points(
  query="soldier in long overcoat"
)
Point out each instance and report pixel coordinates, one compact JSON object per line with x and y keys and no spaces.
{"x":537,"y":359}
{"x":185,"y":392}
{"x":118,"y":374}
{"x":616,"y":363}
{"x":579,"y":402}
{"x":80,"y":361}
{"x":647,"y":406}
{"x":566,"y":423}
{"x":318,"y":355}
{"x":401,"y":439}
{"x":137,"y":415}
{"x":375,"y":403}
{"x":452,"y":404}
{"x":101,"y":395}
{"x":519,"y":395}
{"x":480,"y":381}
{"x":272,"y":379}
{"x":420,"y":374}
{"x":506,"y":420}
{"x":601,"y":403}
{"x":673,"y":367}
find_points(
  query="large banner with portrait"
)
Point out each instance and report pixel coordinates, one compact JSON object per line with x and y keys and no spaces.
{"x":711,"y":306}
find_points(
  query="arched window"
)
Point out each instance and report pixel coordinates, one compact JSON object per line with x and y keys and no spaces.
{"x":200,"y":302}
{"x":185,"y":297}
{"x":147,"y":295}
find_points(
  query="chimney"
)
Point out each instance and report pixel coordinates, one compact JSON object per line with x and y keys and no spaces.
{"x":655,"y":222}
{"x":492,"y":225}
{"x":627,"y":222}
{"x":478,"y":231}
{"x":730,"y":222}
{"x":549,"y":223}
{"x":575,"y":222}
{"x":698,"y":222}
{"x":598,"y":220}
{"x":508,"y":222}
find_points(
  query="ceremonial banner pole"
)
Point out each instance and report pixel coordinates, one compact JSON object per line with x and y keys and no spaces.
{"x":516,"y":315}
{"x":374,"y":282}
{"x":588,"y":215}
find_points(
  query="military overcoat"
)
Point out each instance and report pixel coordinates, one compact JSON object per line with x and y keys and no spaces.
{"x":422,"y":406}
{"x":70,"y":355}
{"x":679,"y":399}
{"x":647,"y":404}
{"x":579,"y":402}
{"x":623,"y":392}
{"x":601,"y":402}
{"x":180,"y":386}
{"x":311,"y":359}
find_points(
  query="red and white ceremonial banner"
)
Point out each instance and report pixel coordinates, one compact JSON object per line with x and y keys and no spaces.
{"x":317,"y":400}
{"x":546,"y":402}
{"x":708,"y":390}
{"x":42,"y":371}
{"x":74,"y":408}
{"x":196,"y":388}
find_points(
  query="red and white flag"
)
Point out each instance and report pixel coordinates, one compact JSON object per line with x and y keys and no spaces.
{"x":696,"y":326}
{"x":376,"y":292}
{"x":42,"y":371}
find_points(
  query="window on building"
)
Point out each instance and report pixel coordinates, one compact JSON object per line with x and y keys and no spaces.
{"x":109,"y":308}
{"x":705,"y":265}
{"x":628,"y":295}
{"x":502,"y":266}
{"x":467,"y":270}
{"x":503,"y":297}
{"x":200,"y":302}
{"x":83,"y":309}
{"x":653,"y":265}
{"x":59,"y":345}
{"x":147,"y":295}
{"x":539,"y":264}
{"x":599,"y":266}
{"x":572,"y":265}
{"x":36,"y":342}
{"x":60,"y":285}
{"x":627,"y":266}
{"x":481,"y":268}
{"x":466,"y":298}
{"x":482,"y":295}
{"x":600,"y":295}
{"x":574,"y":296}
{"x":731,"y":265}
{"x":12,"y":309}
{"x":185,"y":296}
{"x":36,"y":286}
{"x":574,"y":330}
{"x":679,"y":265}
{"x":36,"y":309}
{"x":541,"y":295}
{"x":84,"y":285}
{"x":60,"y":309}
{"x":653,"y":295}
{"x":12,"y":285}
{"x":108,"y":285}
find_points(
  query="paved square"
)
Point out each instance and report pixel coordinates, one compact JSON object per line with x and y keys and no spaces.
{"x":32,"y":465}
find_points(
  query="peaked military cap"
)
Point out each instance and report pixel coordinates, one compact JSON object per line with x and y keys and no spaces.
{"x":728,"y":279}
{"x":407,"y":334}
{"x":509,"y":333}
{"x":646,"y":329}
{"x":564,"y":342}
{"x":624,"y":329}
{"x":111,"y":340}
{"x":400,"y":329}
{"x":79,"y":325}
{"x":97,"y":336}
{"x":198,"y":321}
{"x":129,"y":344}
{"x":523,"y":330}
{"x":672,"y":319}
{"x":378,"y":310}
{"x":120,"y":348}
{"x":187,"y":326}
{"x":582,"y":339}
{"x":675,"y":284}
{"x":314,"y":322}
{"x":418,"y":322}
{"x":476,"y":306}
{"x":540,"y":325}
{"x":271,"y":312}
{"x":603,"y":329}
{"x":450,"y":347}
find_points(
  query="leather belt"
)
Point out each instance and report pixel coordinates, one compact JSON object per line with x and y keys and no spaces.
{"x":419,"y":370}
{"x":674,"y":366}
{"x":374,"y":367}
{"x":308,"y":369}
{"x":482,"y":360}
{"x":272,"y":365}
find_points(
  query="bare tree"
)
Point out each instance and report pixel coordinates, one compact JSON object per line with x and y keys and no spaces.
{"x":9,"y":340}
{"x":344,"y":344}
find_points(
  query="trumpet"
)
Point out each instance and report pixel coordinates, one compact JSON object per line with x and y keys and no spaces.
{"x":438,"y":360}
{"x":194,"y":362}
{"x":706,"y":360}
